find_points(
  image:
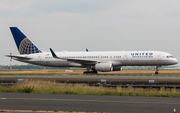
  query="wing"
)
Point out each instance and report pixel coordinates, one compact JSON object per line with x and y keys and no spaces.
{"x":81,"y":61}
{"x":18,"y":57}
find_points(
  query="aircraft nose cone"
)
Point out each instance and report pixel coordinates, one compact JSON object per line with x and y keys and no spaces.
{"x":175,"y":61}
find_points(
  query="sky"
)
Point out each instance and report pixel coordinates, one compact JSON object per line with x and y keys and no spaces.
{"x":99,"y":25}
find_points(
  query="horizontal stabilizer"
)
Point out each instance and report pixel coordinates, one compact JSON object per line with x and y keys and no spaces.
{"x":18,"y":57}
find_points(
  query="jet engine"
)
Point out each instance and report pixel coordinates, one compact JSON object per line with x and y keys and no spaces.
{"x":104,"y":67}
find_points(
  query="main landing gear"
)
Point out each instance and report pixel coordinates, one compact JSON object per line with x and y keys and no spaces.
{"x":90,"y":72}
{"x":157,"y":69}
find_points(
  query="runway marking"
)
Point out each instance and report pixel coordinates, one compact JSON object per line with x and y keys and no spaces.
{"x":75,"y":100}
{"x":152,"y":100}
{"x":2,"y":98}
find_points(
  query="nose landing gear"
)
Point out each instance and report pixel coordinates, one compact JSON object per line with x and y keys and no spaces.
{"x":157,"y":69}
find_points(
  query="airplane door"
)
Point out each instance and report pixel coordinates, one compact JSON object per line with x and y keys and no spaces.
{"x":159,"y":57}
{"x":39,"y":58}
{"x":125,"y":56}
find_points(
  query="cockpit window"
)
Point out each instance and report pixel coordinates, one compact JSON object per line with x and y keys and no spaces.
{"x":169,"y":57}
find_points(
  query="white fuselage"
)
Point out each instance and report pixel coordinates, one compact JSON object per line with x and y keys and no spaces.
{"x":117,"y":58}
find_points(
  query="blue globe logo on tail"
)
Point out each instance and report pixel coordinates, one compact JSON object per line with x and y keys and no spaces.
{"x":27,"y":47}
{"x":24,"y":45}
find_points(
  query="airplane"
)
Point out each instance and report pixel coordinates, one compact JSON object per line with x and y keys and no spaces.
{"x":103,"y":61}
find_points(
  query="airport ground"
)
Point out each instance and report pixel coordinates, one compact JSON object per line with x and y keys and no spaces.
{"x":90,"y":103}
{"x":80,"y":72}
{"x":63,"y":76}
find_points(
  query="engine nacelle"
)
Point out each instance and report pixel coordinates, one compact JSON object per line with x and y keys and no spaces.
{"x":104,"y":67}
{"x":117,"y":68}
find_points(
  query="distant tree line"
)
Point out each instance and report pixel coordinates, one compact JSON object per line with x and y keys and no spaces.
{"x":31,"y":66}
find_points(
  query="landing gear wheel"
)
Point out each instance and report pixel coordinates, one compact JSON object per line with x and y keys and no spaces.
{"x":94,"y":72}
{"x":85,"y":72}
{"x":157,"y":69}
{"x":90,"y":72}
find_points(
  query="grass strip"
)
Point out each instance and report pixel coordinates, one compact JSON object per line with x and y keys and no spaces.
{"x":80,"y":72}
{"x":47,"y":87}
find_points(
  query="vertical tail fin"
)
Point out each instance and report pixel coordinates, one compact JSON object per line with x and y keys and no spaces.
{"x":24,"y":45}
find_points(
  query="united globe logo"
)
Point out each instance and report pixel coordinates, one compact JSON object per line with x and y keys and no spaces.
{"x":27,"y":47}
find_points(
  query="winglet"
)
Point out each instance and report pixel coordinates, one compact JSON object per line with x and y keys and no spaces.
{"x":53,"y":54}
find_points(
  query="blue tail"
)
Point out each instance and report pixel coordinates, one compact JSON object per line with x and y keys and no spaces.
{"x":24,"y":45}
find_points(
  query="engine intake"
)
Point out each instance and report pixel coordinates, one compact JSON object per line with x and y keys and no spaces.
{"x":117,"y":68}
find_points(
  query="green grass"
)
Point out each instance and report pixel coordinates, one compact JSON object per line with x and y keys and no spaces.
{"x":80,"y":72}
{"x":47,"y":87}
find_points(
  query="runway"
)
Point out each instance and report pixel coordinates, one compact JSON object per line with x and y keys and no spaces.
{"x":88,"y":103}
